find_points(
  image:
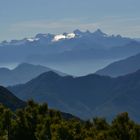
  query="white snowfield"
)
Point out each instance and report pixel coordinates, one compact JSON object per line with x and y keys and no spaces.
{"x":32,"y":39}
{"x":61,"y":36}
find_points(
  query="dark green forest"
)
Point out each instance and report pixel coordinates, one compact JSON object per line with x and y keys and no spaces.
{"x":37,"y":122}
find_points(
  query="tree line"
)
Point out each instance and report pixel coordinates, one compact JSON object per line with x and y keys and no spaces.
{"x":37,"y":122}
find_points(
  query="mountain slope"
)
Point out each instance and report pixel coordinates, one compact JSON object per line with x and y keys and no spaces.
{"x":10,"y":100}
{"x":85,"y":96}
{"x":122,"y":67}
{"x":52,"y":48}
{"x":22,"y":73}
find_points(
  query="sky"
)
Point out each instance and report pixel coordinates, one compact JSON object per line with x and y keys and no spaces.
{"x":26,"y":18}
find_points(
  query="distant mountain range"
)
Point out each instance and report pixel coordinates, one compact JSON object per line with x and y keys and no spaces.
{"x":9,"y":100}
{"x":23,"y":73}
{"x":73,"y":39}
{"x":86,"y":96}
{"x":122,"y":67}
{"x":68,"y":47}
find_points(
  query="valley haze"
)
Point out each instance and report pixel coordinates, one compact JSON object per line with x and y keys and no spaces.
{"x":76,"y":53}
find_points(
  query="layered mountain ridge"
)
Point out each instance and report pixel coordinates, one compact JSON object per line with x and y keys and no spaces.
{"x":122,"y":67}
{"x":23,"y":73}
{"x":86,"y":96}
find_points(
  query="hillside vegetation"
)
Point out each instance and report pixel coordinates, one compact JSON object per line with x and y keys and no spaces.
{"x":37,"y":122}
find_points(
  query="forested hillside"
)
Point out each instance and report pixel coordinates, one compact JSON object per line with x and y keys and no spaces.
{"x":37,"y":122}
{"x":10,"y":100}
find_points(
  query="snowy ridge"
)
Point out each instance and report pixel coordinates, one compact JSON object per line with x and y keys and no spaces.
{"x":32,"y":39}
{"x":62,"y":36}
{"x":53,"y":38}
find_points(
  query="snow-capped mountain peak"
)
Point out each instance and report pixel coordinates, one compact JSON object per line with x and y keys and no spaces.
{"x":63,"y":36}
{"x":32,"y":39}
{"x":71,"y":35}
{"x":76,"y":36}
{"x":59,"y":37}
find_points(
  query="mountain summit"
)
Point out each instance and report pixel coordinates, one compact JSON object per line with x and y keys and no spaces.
{"x":98,"y":32}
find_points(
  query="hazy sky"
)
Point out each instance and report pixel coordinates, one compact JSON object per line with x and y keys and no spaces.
{"x":25,"y":18}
